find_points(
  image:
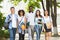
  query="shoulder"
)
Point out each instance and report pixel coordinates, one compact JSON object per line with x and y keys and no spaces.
{"x":43,"y":16}
{"x":24,"y":16}
{"x":49,"y":16}
{"x":9,"y":15}
{"x":16,"y":15}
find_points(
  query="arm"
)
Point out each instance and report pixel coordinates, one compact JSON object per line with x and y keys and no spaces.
{"x":25,"y":21}
{"x":43,"y":24}
{"x":51,"y":22}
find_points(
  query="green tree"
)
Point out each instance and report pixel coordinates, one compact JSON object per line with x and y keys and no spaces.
{"x":0,"y":2}
{"x":34,"y":3}
{"x":2,"y":19}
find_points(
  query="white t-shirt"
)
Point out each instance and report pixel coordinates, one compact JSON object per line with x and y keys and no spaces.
{"x":14,"y":25}
{"x":47,"y":19}
{"x":30,"y":18}
{"x":21,"y":18}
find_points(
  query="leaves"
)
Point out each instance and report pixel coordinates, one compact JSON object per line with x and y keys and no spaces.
{"x":15,"y":2}
{"x":1,"y":1}
{"x":0,"y":6}
{"x":38,"y":0}
{"x":58,"y":4}
{"x":25,"y":1}
{"x":34,"y":3}
{"x":2,"y":19}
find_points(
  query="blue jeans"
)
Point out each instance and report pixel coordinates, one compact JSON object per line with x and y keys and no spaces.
{"x":38,"y":30}
{"x":12,"y":33}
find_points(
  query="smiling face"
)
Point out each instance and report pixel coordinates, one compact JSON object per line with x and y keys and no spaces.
{"x":46,"y":12}
{"x":31,"y":9}
{"x":21,"y":13}
{"x":12,"y":10}
{"x":38,"y":13}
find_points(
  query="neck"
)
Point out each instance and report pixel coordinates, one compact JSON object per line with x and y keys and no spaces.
{"x":30,"y":11}
{"x":46,"y":16}
{"x":12,"y":13}
{"x":38,"y":16}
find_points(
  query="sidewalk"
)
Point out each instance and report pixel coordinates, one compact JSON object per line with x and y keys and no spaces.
{"x":42,"y":37}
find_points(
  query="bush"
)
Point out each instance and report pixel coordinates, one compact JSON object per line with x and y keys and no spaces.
{"x":2,"y":19}
{"x":1,"y":33}
{"x":4,"y":33}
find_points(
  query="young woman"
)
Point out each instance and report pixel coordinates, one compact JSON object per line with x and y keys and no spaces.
{"x":38,"y":24}
{"x":21,"y":21}
{"x":47,"y":25}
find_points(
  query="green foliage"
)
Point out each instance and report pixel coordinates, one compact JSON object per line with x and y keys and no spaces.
{"x":1,"y":32}
{"x":33,"y":3}
{"x":1,"y":1}
{"x":2,"y":19}
{"x":58,"y":4}
{"x":38,"y":0}
{"x":0,"y":6}
{"x":25,"y":1}
{"x":4,"y":33}
{"x":15,"y":2}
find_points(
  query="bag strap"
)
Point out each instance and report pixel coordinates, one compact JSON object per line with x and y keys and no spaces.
{"x":21,"y":20}
{"x":9,"y":17}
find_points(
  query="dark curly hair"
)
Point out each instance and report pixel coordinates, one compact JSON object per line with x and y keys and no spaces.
{"x":20,"y":12}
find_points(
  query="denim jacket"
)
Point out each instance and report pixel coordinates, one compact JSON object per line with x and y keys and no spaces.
{"x":10,"y":21}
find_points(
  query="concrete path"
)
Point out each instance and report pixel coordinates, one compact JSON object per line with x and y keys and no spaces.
{"x":42,"y":37}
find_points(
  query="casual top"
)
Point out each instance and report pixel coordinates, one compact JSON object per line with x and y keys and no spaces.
{"x":20,"y":21}
{"x":30,"y":18}
{"x":40,"y":19}
{"x":47,"y":19}
{"x":13,"y":22}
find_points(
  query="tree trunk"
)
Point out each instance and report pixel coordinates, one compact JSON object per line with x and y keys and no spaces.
{"x":48,"y":6}
{"x":55,"y":18}
{"x":43,"y":5}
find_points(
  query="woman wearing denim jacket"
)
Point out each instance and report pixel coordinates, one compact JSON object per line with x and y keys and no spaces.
{"x":21,"y":21}
{"x":38,"y":24}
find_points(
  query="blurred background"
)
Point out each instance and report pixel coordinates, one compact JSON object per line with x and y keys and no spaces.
{"x":53,"y":7}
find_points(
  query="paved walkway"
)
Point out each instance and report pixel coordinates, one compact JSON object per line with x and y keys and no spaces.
{"x":42,"y":37}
